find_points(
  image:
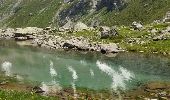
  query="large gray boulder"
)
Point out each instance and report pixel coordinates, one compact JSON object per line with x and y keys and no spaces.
{"x":137,"y":26}
{"x":168,"y":29}
{"x":109,"y":48}
{"x":76,"y":43}
{"x":167,"y":17}
{"x":106,"y":32}
{"x":80,"y":26}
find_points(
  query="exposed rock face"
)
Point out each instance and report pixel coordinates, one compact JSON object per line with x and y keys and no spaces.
{"x":111,"y":4}
{"x":75,"y":11}
{"x":85,"y":7}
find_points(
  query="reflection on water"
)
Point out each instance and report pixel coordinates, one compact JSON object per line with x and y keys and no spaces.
{"x":53,"y":86}
{"x":92,"y":70}
{"x":75,"y":77}
{"x":6,"y":67}
{"x":52,"y":71}
{"x":119,"y":77}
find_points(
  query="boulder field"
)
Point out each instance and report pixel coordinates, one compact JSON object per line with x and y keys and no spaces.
{"x":42,"y":38}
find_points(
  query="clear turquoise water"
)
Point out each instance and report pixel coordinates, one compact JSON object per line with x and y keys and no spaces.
{"x":93,"y":70}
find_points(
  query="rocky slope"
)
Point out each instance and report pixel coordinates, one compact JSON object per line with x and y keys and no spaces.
{"x":43,"y":13}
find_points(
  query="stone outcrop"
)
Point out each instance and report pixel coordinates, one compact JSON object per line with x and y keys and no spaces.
{"x":71,"y":26}
{"x":7,"y":33}
{"x":26,"y":33}
{"x":167,"y":17}
{"x":80,"y":26}
{"x":75,"y":43}
{"x":137,"y":26}
{"x":106,"y":32}
{"x":164,"y":35}
{"x":42,"y":38}
{"x":109,"y":48}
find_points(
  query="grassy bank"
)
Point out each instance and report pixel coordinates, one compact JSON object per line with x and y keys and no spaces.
{"x":13,"y":89}
{"x":159,"y":90}
{"x":15,"y":95}
{"x":132,"y":40}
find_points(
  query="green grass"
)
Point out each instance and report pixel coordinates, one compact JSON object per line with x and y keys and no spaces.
{"x":7,"y":94}
{"x":15,"y":95}
{"x":138,"y":10}
{"x":160,"y":26}
{"x":44,"y":11}
{"x":125,"y":33}
{"x":161,"y":47}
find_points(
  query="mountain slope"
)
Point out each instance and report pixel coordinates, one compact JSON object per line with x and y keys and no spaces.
{"x":33,"y":13}
{"x":43,"y":13}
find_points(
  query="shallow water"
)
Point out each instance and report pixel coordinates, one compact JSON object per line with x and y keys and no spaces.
{"x":90,"y":70}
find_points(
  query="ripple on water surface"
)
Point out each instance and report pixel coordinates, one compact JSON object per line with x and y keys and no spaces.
{"x":91,"y":70}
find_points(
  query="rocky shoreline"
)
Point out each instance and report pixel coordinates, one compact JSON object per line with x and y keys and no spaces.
{"x":44,"y":38}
